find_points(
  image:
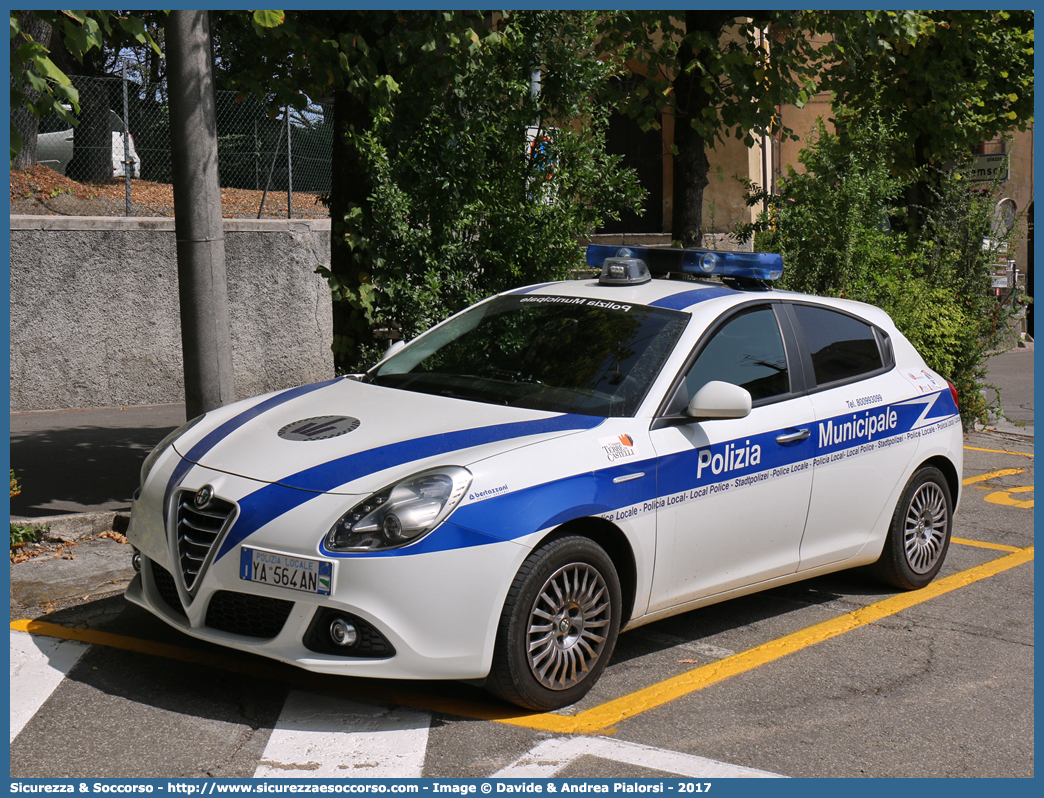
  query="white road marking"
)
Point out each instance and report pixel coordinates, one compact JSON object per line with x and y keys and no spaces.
{"x":551,"y":756}
{"x":318,"y":736}
{"x":38,"y":665}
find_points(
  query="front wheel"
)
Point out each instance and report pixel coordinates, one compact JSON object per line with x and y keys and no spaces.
{"x":920,"y":532}
{"x":558,"y":627}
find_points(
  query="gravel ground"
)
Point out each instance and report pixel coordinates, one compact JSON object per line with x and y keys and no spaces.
{"x":43,"y":191}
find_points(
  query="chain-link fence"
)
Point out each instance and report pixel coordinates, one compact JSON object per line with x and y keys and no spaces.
{"x":268,"y":167}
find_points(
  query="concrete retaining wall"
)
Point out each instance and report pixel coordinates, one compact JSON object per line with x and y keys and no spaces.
{"x":95,"y":320}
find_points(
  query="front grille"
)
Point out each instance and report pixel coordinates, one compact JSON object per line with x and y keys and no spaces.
{"x":168,"y":590}
{"x":247,"y":614}
{"x":197,"y":530}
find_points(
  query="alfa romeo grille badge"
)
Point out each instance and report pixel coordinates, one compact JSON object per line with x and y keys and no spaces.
{"x":203,"y":497}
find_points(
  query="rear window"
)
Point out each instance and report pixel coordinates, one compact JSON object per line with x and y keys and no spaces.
{"x":842,"y":346}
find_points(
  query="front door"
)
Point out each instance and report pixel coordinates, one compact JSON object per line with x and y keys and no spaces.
{"x":733,"y":494}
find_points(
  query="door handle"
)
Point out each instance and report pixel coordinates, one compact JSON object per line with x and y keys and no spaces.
{"x":790,"y":438}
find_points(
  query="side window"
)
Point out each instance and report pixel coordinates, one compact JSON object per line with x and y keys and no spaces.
{"x":748,"y":351}
{"x":842,"y":347}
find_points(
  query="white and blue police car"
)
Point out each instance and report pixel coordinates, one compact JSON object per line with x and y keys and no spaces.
{"x":499,"y":498}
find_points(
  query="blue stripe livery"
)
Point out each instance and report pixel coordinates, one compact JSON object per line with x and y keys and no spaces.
{"x":687,"y":299}
{"x":218,"y":434}
{"x":272,"y":501}
{"x":514,"y":515}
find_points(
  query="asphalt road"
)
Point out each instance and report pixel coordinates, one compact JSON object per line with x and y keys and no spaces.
{"x":835,"y":677}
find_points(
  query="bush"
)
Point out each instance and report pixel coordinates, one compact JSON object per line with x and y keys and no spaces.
{"x":470,"y":194}
{"x":841,"y":227}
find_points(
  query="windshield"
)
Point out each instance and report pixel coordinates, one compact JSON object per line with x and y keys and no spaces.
{"x":556,"y":353}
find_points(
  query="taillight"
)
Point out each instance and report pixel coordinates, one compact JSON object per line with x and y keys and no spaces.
{"x":953,"y":393}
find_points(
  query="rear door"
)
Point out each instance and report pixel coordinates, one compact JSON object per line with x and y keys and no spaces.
{"x":860,"y":444}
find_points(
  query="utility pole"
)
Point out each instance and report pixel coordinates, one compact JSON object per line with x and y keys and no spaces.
{"x":206,"y":331}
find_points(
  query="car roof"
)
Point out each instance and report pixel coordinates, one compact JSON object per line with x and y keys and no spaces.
{"x":658,"y":292}
{"x":690,"y":295}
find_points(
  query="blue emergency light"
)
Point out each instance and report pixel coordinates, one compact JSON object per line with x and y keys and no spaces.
{"x":695,"y":262}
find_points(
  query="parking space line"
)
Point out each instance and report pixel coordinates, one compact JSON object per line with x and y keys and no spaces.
{"x":981,"y":544}
{"x":612,"y":712}
{"x":1004,"y":472}
{"x":596,"y":719}
{"x":997,"y":451}
{"x":37,"y":668}
{"x":386,"y":690}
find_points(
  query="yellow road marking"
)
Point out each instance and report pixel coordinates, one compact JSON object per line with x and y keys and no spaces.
{"x":983,"y":545}
{"x":1004,"y":497}
{"x":263,"y":668}
{"x":612,"y":712}
{"x":997,"y":451}
{"x":1004,"y":472}
{"x":590,"y":721}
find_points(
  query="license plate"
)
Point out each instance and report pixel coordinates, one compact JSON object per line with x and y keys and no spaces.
{"x":285,"y":570}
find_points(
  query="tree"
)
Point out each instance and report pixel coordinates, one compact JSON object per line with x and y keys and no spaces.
{"x":947,"y":80}
{"x":933,"y":280}
{"x":719,"y":74}
{"x":437,"y":195}
{"x":44,"y":47}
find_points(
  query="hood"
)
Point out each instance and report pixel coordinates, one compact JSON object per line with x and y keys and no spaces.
{"x":333,"y":437}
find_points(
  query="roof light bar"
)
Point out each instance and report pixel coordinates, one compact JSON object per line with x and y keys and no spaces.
{"x":697,"y":262}
{"x":624,"y":271}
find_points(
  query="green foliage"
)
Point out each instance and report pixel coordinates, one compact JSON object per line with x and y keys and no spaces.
{"x":717,"y":75}
{"x":38,"y":84}
{"x":469,"y":194}
{"x":741,"y":86}
{"x":21,"y":533}
{"x":829,"y":223}
{"x":950,"y":79}
{"x":16,"y":488}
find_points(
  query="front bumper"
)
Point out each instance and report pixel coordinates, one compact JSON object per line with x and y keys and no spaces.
{"x":423,"y":616}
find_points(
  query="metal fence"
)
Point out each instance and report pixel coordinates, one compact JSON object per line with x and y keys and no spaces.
{"x":268,"y":167}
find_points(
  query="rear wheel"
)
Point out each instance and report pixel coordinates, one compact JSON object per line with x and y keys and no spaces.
{"x":558,"y":627}
{"x":919,"y":535}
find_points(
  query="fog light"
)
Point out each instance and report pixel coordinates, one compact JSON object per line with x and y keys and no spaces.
{"x":342,"y":632}
{"x":136,"y":562}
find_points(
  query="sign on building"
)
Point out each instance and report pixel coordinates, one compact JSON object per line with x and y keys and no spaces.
{"x":985,"y":168}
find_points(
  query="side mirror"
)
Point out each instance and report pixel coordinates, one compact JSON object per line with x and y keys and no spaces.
{"x":717,"y":400}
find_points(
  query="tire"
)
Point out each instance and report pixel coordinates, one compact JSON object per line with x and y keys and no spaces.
{"x":919,"y":535}
{"x":558,"y":627}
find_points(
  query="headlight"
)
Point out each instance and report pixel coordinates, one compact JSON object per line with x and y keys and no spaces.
{"x":162,"y":446}
{"x":401,"y":513}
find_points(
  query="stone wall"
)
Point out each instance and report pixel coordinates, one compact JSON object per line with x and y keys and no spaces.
{"x":95,"y":319}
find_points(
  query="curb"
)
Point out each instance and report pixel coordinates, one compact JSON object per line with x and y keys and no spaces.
{"x":76,"y":526}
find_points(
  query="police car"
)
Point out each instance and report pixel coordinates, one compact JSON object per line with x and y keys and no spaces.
{"x":501,"y":497}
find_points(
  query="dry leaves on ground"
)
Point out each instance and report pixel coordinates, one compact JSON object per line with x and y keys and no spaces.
{"x":42,"y":191}
{"x":22,"y":552}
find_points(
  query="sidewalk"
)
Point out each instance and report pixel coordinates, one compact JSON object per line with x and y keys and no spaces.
{"x":79,"y":469}
{"x":1012,"y":373}
{"x":84,"y":461}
